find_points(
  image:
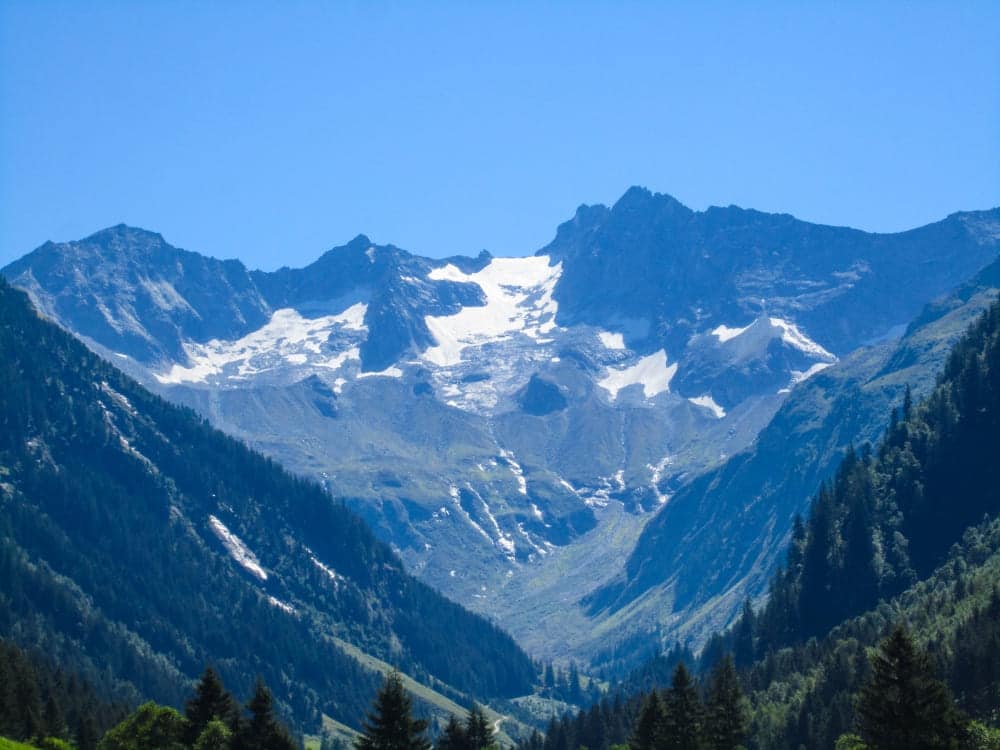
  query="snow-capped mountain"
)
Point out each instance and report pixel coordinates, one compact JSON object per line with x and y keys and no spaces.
{"x":489,"y":416}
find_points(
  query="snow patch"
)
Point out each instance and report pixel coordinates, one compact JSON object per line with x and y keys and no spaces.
{"x":792,"y":336}
{"x":286,"y":337}
{"x":121,"y":400}
{"x":283,"y":606}
{"x":656,"y":473}
{"x":800,"y":375}
{"x":515,"y":467}
{"x":709,"y":403}
{"x":388,"y":372}
{"x":725,"y":333}
{"x":615,"y":341}
{"x":519,"y":300}
{"x":237,"y":549}
{"x":652,"y":372}
{"x":333,"y":575}
{"x":503,"y":540}
{"x":453,"y":491}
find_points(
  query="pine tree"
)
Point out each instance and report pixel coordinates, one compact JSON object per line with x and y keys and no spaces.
{"x":903,"y":706}
{"x":648,"y":731}
{"x":210,"y":701}
{"x":478,"y":731}
{"x":743,"y":637}
{"x":87,"y":733}
{"x":390,"y":724}
{"x":453,"y":737}
{"x":575,"y":690}
{"x":550,"y":676}
{"x":727,"y":721}
{"x":684,"y":723}
{"x":262,"y":731}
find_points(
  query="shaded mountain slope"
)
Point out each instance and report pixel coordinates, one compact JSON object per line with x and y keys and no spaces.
{"x":138,"y":540}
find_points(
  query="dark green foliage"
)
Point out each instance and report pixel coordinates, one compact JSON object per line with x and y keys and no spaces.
{"x":213,"y":722}
{"x":648,"y":732}
{"x":975,"y":671}
{"x":475,"y":734}
{"x":215,"y":736}
{"x":151,"y":727}
{"x":657,"y":671}
{"x":478,"y":732}
{"x":887,"y":519}
{"x":210,"y":702}
{"x":38,"y":699}
{"x":903,"y":706}
{"x":684,"y":715}
{"x":453,"y":737}
{"x":727,"y":713}
{"x":390,"y":724}
{"x":607,"y":723}
{"x":105,"y":487}
{"x":262,"y":731}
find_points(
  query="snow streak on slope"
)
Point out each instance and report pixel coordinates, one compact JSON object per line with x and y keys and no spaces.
{"x":723,"y":333}
{"x":288,"y":338}
{"x":518,"y":301}
{"x":515,"y":467}
{"x":768,"y":326}
{"x":709,"y":403}
{"x":652,"y":372}
{"x":792,"y":336}
{"x":237,"y":549}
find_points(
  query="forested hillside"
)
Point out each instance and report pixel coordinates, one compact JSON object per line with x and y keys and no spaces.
{"x":889,"y":516}
{"x":722,"y":534}
{"x":905,"y":534}
{"x":39,"y":699}
{"x":137,"y":544}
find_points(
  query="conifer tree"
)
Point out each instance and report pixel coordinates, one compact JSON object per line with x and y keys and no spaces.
{"x":453,"y":737}
{"x":684,"y":723}
{"x":210,"y":701}
{"x":478,"y":731}
{"x":903,"y":706}
{"x":743,"y":637}
{"x":727,"y":720}
{"x":390,"y":724}
{"x":648,"y":731}
{"x":575,"y":689}
{"x":262,"y":731}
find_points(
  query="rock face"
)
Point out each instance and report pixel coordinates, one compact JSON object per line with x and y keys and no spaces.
{"x":490,"y":416}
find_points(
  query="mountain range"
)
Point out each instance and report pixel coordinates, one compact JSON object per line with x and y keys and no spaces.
{"x":563,"y":441}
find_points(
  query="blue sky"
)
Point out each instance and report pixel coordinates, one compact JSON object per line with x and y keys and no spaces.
{"x":274,"y":131}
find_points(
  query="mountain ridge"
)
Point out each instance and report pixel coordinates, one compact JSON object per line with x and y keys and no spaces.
{"x":484,"y":414}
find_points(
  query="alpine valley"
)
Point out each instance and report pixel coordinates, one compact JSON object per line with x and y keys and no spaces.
{"x":601,"y":447}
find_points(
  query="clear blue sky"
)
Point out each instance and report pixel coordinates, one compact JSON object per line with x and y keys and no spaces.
{"x":273,"y":131}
